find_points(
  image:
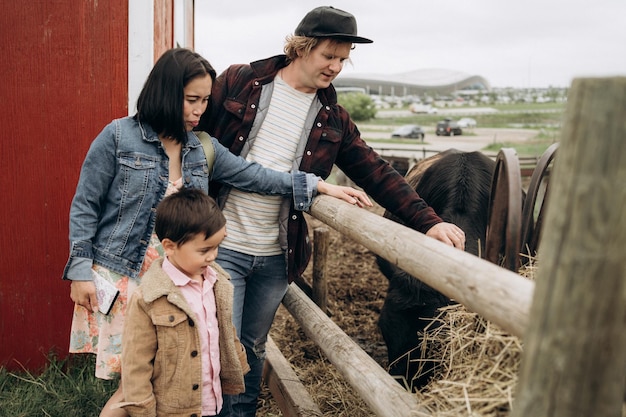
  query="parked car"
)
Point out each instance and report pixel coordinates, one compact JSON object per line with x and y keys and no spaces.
{"x":467,"y":122}
{"x":448,"y":128}
{"x":408,"y":131}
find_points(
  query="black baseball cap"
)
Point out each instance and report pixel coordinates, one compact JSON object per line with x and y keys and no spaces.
{"x":328,"y":22}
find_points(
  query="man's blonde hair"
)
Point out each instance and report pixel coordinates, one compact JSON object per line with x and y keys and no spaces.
{"x":301,"y":46}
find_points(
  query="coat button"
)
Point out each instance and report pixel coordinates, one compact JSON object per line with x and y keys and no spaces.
{"x":195,"y":387}
{"x":253,"y":106}
{"x":240,"y":138}
{"x":171,"y":319}
{"x":191,"y":323}
{"x":327,"y":108}
{"x":308,"y":153}
{"x":294,"y":217}
{"x":194,"y":353}
{"x":319,"y":124}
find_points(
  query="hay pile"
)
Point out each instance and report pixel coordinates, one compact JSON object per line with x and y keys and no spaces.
{"x":477,"y":371}
{"x":479,"y":363}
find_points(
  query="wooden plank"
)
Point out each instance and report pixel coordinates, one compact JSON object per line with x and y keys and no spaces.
{"x":291,"y":396}
{"x":495,"y":293}
{"x":374,"y":385}
{"x":163,"y":27}
{"x":574,"y":361}
{"x":71,"y":59}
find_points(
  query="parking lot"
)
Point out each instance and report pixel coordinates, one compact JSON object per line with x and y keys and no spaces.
{"x":472,"y":140}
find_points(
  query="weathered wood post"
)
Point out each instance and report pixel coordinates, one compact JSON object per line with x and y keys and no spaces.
{"x":320,"y":252}
{"x":574,"y":361}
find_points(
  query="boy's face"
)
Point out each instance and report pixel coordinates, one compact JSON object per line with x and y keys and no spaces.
{"x":193,"y":256}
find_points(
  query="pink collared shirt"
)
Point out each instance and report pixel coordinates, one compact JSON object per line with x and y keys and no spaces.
{"x":201,"y":299}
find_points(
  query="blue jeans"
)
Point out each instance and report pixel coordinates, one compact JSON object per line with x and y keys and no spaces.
{"x":260,"y":284}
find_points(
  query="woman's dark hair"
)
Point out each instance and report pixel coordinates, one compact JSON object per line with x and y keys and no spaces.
{"x":161,"y":101}
{"x":186,"y":213}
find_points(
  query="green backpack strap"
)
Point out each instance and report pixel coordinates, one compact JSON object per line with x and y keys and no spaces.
{"x":209,"y":149}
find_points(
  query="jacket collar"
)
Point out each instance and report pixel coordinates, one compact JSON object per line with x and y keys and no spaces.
{"x":156,"y":284}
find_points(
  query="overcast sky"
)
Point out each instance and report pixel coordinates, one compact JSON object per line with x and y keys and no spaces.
{"x":532,"y":43}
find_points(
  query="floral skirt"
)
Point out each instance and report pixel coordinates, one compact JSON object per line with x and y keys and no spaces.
{"x":102,"y":334}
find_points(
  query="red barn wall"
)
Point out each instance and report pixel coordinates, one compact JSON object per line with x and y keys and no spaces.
{"x":63,"y":77}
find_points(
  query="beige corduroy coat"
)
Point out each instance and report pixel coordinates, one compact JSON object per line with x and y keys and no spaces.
{"x":161,"y":361}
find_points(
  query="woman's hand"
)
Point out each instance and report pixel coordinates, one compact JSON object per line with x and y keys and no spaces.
{"x":83,"y":293}
{"x":348,"y":194}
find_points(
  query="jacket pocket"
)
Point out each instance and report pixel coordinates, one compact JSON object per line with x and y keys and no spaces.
{"x":170,"y":328}
{"x":170,"y":368}
{"x":137,"y":173}
{"x":199,"y":175}
{"x":326,"y":152}
{"x":235,"y":108}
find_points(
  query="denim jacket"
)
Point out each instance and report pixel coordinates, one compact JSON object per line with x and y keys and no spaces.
{"x":125,"y":175}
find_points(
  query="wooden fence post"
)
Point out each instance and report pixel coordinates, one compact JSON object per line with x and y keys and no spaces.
{"x":320,"y":288}
{"x":574,"y":361}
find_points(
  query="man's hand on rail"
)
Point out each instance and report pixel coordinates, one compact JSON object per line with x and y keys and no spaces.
{"x":448,"y":233}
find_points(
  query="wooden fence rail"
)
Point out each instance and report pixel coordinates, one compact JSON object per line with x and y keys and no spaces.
{"x":375,"y":386}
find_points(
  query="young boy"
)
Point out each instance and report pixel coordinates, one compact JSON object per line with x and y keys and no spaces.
{"x":180,"y":351}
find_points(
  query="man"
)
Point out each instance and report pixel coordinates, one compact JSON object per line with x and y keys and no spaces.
{"x":282,"y":112}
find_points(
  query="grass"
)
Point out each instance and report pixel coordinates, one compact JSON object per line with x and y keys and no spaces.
{"x":66,"y":387}
{"x":532,"y":148}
